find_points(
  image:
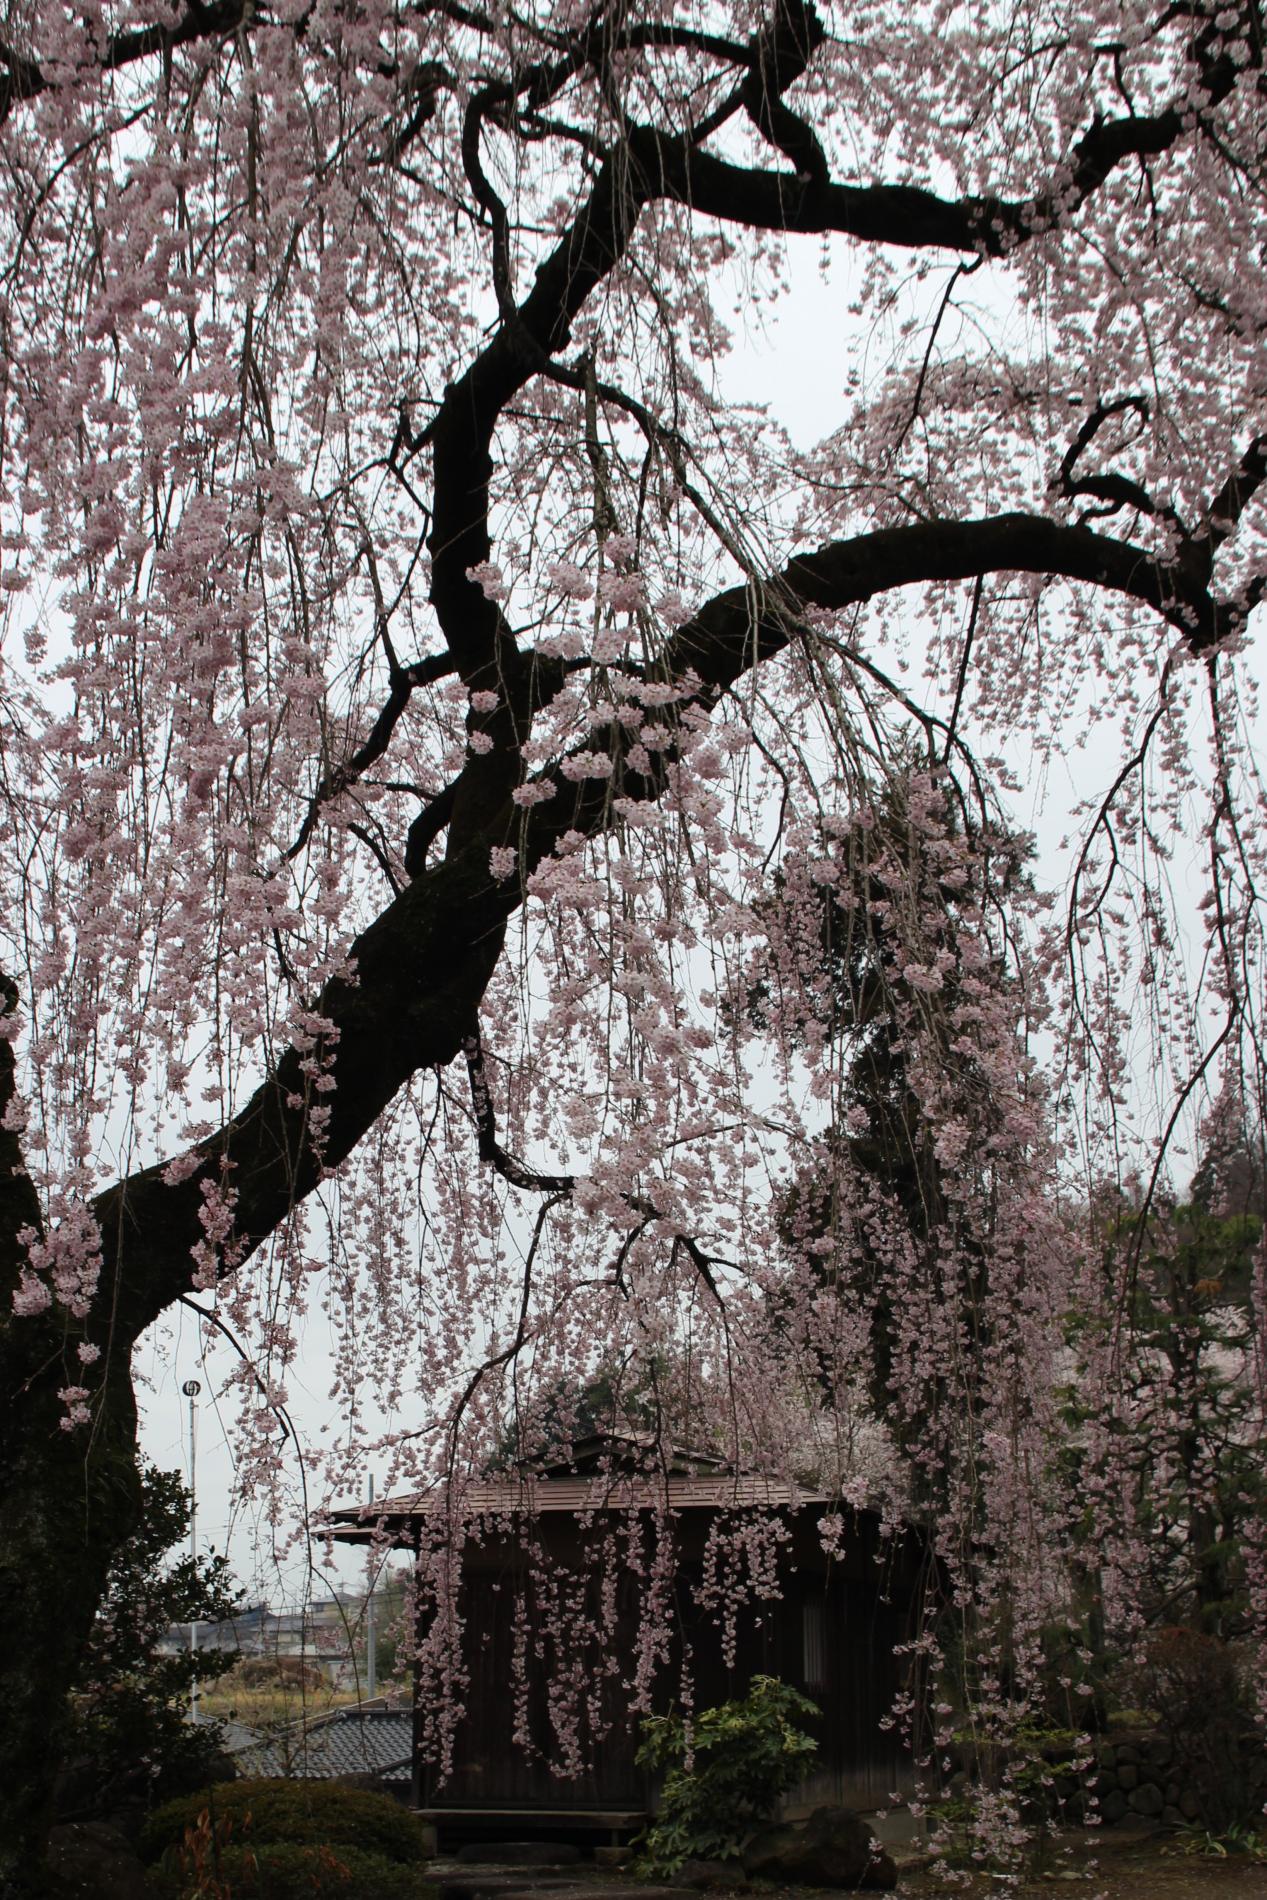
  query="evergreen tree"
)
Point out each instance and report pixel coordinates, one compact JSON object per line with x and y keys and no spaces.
{"x":131,"y":1742}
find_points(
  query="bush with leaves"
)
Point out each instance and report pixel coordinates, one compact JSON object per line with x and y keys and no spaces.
{"x":724,"y":1772}
{"x":129,"y":1742}
{"x":219,"y":1857}
{"x":278,"y":1812}
{"x":204,"y":1868}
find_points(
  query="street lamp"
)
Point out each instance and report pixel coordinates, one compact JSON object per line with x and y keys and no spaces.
{"x":191,"y":1389}
{"x":371,"y":1632}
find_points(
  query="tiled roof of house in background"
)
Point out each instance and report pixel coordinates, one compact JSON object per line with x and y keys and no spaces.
{"x":345,"y":1742}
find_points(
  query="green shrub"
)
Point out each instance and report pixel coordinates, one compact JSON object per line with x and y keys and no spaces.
{"x":129,"y":1744}
{"x":285,"y":1871}
{"x":744,"y":1756}
{"x":291,"y":1813}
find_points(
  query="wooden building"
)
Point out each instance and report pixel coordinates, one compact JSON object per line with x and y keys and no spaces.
{"x":547,"y":1733}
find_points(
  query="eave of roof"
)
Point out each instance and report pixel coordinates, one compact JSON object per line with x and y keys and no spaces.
{"x":582,"y":1497}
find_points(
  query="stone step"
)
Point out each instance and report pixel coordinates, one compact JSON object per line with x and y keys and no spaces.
{"x":602,"y":1890}
{"x":518,"y":1854}
{"x":503,"y":1883}
{"x":493,"y":1881}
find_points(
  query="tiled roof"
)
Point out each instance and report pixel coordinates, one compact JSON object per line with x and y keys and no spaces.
{"x":577,"y":1496}
{"x":346,"y":1742}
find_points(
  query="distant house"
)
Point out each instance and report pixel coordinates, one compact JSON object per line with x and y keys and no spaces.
{"x":832,"y":1622}
{"x":319,"y":1639}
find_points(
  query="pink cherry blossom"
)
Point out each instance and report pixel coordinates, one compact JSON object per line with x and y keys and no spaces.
{"x":515,"y":858}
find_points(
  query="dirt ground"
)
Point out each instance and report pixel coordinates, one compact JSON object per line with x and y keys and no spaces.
{"x":1108,"y":1866}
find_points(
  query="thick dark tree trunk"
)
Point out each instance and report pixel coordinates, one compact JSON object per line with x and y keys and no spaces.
{"x":67,"y":1500}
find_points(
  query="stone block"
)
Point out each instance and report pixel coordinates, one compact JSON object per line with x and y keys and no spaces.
{"x":834,"y":1848}
{"x":710,"y":1876}
{"x":89,"y":1860}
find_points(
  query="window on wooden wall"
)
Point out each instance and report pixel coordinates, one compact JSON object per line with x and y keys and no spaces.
{"x":814,"y":1643}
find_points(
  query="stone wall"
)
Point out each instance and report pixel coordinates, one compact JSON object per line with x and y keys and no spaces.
{"x":1140,"y":1777}
{"x":1206,"y":1782}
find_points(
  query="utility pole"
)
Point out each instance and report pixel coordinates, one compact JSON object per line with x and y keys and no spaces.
{"x":191,"y":1389}
{"x":371,"y":1634}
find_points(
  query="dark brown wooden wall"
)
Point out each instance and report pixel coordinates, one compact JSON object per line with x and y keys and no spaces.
{"x":866,"y":1615}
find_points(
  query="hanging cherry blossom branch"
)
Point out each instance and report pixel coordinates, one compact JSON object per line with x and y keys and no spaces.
{"x":563,"y":1186}
{"x":403,"y":681}
{"x":490,"y":1149}
{"x":211,"y":1318}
